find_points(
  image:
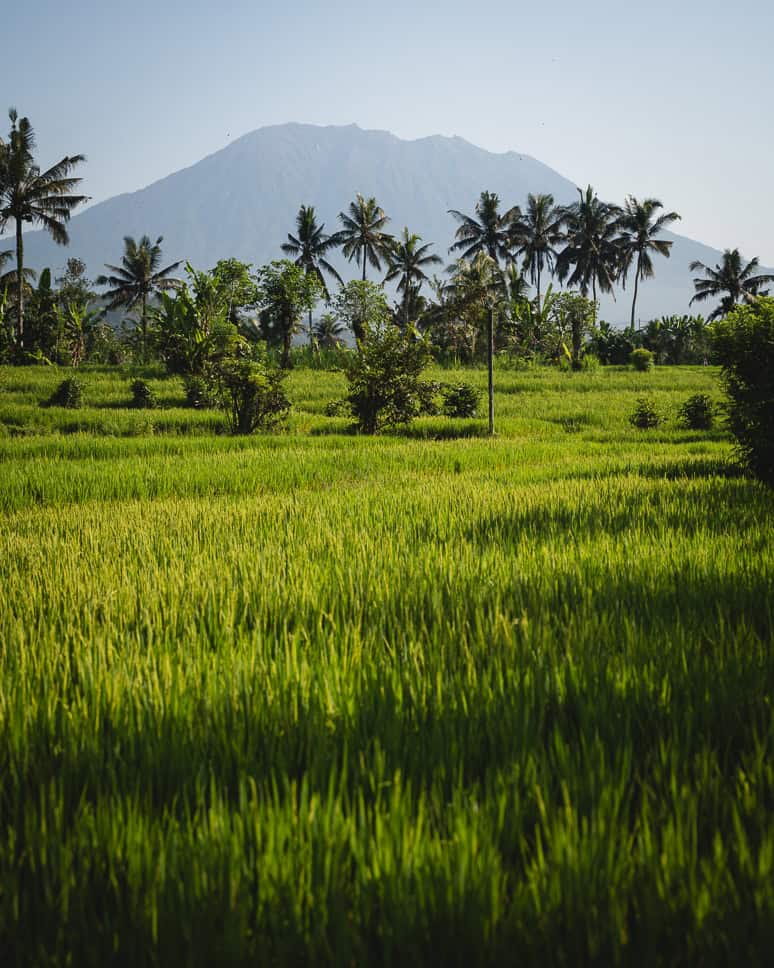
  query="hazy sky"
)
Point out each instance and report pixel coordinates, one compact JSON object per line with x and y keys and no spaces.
{"x":673,"y":99}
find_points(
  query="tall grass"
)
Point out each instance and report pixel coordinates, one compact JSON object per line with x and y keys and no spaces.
{"x":315,"y":698}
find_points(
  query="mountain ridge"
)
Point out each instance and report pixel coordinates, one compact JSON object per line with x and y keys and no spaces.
{"x":242,"y":199}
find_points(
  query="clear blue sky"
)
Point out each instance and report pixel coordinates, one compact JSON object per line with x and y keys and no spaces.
{"x":673,"y":99}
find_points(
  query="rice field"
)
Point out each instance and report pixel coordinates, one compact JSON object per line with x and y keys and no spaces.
{"x":314,"y":698}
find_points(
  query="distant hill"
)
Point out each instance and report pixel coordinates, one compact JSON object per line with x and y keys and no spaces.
{"x":242,"y":201}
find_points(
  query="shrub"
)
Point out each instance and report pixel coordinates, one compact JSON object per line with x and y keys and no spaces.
{"x":385,"y":388}
{"x":641,"y":360}
{"x":743,"y":343}
{"x":337,"y":408}
{"x":645,"y":415}
{"x":198,"y":393}
{"x":143,"y":397}
{"x":68,"y":394}
{"x":460,"y":400}
{"x":697,"y":413}
{"x":252,"y":395}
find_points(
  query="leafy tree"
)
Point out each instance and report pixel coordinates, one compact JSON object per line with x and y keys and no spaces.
{"x":731,"y":280}
{"x":361,"y":305}
{"x":385,"y":385}
{"x":487,"y":234}
{"x":362,"y":237}
{"x":73,"y":286}
{"x":35,"y":197}
{"x":407,"y":260}
{"x":41,"y":321}
{"x":286,"y":292}
{"x":192,"y":329}
{"x":536,"y":233}
{"x":138,"y":279}
{"x":310,"y":245}
{"x":77,"y":324}
{"x":744,"y":344}
{"x":590,"y":259}
{"x":639,"y":225}
{"x":251,"y":393}
{"x":574,"y":315}
{"x":235,"y":288}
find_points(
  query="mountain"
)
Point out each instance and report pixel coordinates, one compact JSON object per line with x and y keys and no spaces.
{"x":242,"y":201}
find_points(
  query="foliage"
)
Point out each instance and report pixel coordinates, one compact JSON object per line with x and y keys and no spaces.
{"x":645,"y":415}
{"x":68,"y":394}
{"x":286,"y":291}
{"x":460,"y":400}
{"x":143,"y":397}
{"x":385,"y":387}
{"x":677,"y":339}
{"x":77,"y":331}
{"x":590,"y":259}
{"x":639,"y":224}
{"x":535,"y":235}
{"x":361,"y":306}
{"x":744,"y":345}
{"x":30,"y":196}
{"x":311,"y":246}
{"x":731,"y":280}
{"x":137,"y":280}
{"x":362,"y":237}
{"x":199,"y":393}
{"x":697,"y":413}
{"x":251,"y":393}
{"x":328,"y":332}
{"x":192,"y":330}
{"x":407,"y":261}
{"x":641,"y":359}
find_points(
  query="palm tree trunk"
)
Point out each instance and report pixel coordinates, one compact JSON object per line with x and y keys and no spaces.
{"x":20,"y":283}
{"x":144,"y":325}
{"x":490,"y":368}
{"x":286,"y":349}
{"x":364,"y":264}
{"x":636,"y":284}
{"x":311,"y":340}
{"x":594,"y":287}
{"x":538,"y":289}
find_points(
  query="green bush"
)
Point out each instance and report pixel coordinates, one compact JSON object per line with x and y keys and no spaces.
{"x":68,"y":394}
{"x":252,"y":395}
{"x":143,"y":397}
{"x":743,"y":344}
{"x":645,"y":415}
{"x":460,"y":400}
{"x":641,"y":360}
{"x":697,"y":413}
{"x":385,"y":385}
{"x":337,"y":408}
{"x":198,"y":393}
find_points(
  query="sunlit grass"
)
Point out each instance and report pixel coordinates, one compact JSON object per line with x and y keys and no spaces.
{"x":318,"y":698}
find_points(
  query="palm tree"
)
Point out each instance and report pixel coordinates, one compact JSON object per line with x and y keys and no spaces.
{"x":406,"y":262}
{"x":361,"y":236}
{"x":137,"y":279}
{"x":536,"y":235}
{"x":489,"y":233}
{"x":29,"y":195}
{"x":590,"y":257}
{"x":310,"y":245}
{"x":729,"y":277}
{"x":639,"y":226}
{"x":328,"y":332}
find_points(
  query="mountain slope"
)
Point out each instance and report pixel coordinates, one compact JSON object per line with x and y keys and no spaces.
{"x":242,"y":201}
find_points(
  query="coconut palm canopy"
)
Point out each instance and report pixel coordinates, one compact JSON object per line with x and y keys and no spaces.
{"x":33,"y":197}
{"x":362,"y":237}
{"x":639,"y":225}
{"x":731,"y":281}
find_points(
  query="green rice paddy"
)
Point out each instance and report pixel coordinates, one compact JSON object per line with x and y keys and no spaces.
{"x":314,"y":698}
